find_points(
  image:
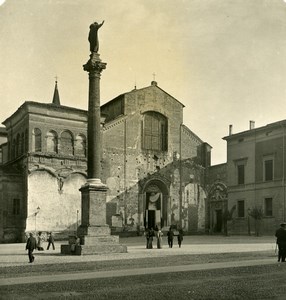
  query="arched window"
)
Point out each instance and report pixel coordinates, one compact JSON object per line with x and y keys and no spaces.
{"x":18,"y":145}
{"x":26,"y":140}
{"x":80,"y":145}
{"x":52,"y":142}
{"x":66,"y":143}
{"x":155,"y":132}
{"x":22,"y":143}
{"x":13,"y":149}
{"x":37,"y":140}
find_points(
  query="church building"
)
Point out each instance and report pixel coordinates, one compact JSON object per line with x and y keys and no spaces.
{"x":153,"y":165}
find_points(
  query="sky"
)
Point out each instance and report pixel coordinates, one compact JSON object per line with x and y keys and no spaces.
{"x":225,"y":60}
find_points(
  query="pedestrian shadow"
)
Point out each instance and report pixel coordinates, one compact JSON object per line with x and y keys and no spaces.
{"x":12,"y":254}
{"x":41,"y":253}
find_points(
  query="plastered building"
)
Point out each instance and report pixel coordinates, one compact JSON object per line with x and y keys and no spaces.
{"x":256,"y":169}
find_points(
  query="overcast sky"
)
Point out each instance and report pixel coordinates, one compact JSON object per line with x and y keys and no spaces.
{"x":225,"y":60}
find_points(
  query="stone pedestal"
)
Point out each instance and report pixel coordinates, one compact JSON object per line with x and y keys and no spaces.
{"x":94,"y":234}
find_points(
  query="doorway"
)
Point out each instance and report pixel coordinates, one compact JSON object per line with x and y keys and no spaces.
{"x":155,"y":204}
{"x":218,"y":227}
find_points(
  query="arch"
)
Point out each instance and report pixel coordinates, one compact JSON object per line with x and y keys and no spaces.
{"x":217,"y":198}
{"x":217,"y":190}
{"x":80,"y":145}
{"x":18,"y":145}
{"x":48,"y":170}
{"x":154,"y":131}
{"x":67,"y":143}
{"x":13,"y":148}
{"x":37,"y":140}
{"x":26,"y":140}
{"x":155,"y":203}
{"x":52,"y":141}
{"x":22,"y":141}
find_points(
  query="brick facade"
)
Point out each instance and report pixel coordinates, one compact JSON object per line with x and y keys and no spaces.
{"x":153,"y":165}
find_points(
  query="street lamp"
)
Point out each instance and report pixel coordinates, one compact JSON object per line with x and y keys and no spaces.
{"x":77,"y":219}
{"x":35,"y":214}
{"x":248,"y":221}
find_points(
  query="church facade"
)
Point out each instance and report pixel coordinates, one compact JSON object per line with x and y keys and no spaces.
{"x":154,"y":166}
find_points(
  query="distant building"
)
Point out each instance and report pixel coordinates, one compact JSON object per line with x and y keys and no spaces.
{"x":154,"y":166}
{"x":256,"y":166}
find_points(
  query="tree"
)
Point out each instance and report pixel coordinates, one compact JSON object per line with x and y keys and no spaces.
{"x":227,"y":216}
{"x":257,"y":214}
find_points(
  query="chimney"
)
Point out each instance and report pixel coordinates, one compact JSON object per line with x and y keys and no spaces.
{"x":230,"y":129}
{"x":251,"y":125}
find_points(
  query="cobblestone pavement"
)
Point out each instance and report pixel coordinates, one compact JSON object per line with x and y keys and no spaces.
{"x":132,"y":272}
{"x":15,"y":254}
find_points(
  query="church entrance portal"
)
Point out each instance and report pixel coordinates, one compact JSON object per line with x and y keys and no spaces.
{"x":218,"y":220}
{"x":155,"y":204}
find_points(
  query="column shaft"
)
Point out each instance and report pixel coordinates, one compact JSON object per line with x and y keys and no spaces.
{"x":94,"y":135}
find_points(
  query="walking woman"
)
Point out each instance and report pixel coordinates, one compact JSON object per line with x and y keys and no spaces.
{"x":180,"y":236}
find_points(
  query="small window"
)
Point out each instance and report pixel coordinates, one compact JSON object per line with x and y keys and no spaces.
{"x":18,"y":145}
{"x":16,"y":207}
{"x":268,"y":169}
{"x":22,"y":143}
{"x":14,"y":149}
{"x":80,"y":145}
{"x":268,"y":207}
{"x":240,"y":174}
{"x":240,"y":209}
{"x":66,"y":143}
{"x":26,"y":140}
{"x":37,"y":140}
{"x":52,"y":142}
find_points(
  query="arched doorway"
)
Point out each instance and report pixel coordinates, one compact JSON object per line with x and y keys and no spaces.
{"x":217,"y":207}
{"x":155,"y":204}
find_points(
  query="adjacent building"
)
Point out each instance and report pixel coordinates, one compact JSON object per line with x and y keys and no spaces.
{"x":256,"y":167}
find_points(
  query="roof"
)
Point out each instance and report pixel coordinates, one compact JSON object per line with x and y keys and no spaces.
{"x":153,"y":84}
{"x":49,"y":106}
{"x":3,"y":131}
{"x":255,"y":130}
{"x":56,"y":97}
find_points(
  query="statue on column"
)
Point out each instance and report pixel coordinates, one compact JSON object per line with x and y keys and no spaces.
{"x":93,"y":36}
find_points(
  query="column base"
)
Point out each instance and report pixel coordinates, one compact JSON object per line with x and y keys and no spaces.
{"x":93,"y":249}
{"x":94,"y":240}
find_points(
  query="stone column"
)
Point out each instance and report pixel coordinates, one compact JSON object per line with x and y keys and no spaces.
{"x":94,"y":68}
{"x":94,"y":233}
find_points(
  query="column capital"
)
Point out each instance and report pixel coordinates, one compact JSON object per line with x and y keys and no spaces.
{"x":94,"y":64}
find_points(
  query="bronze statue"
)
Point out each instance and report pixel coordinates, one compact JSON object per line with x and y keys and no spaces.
{"x":93,"y":37}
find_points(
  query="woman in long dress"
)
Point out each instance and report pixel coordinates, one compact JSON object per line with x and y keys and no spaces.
{"x":159,"y":235}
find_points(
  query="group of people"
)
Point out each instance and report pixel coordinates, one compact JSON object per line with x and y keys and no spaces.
{"x":150,"y":233}
{"x":35,"y":242}
{"x":171,"y":234}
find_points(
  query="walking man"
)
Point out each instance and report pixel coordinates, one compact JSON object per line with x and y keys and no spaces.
{"x":51,"y":241}
{"x":281,"y":241}
{"x":31,"y":245}
{"x":170,"y":235}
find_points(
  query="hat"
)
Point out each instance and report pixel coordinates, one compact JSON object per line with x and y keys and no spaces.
{"x":283,"y":224}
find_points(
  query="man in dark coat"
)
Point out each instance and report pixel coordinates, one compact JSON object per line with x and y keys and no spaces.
{"x":51,"y":241}
{"x":281,"y":241}
{"x":170,"y":235}
{"x":31,"y":245}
